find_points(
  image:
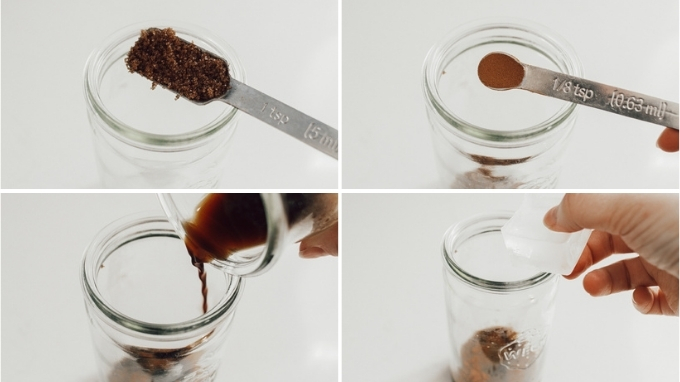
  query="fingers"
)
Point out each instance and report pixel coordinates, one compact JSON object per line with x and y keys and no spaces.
{"x":668,"y":140}
{"x":578,"y":211}
{"x":600,"y":246}
{"x":652,"y":301}
{"x":618,"y":277}
{"x":321,"y":244}
{"x":638,"y":275}
{"x":313,"y":252}
{"x":617,"y":214}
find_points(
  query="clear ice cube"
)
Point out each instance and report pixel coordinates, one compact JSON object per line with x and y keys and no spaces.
{"x":532,"y":243}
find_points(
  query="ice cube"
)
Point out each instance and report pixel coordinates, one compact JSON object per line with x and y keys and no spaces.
{"x":532,"y":243}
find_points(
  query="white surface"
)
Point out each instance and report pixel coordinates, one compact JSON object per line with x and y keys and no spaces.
{"x":285,"y":328}
{"x":288,"y":49}
{"x":386,"y":143}
{"x":394,"y":322}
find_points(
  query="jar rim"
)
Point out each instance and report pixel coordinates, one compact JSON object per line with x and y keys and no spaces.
{"x":434,"y":60}
{"x":100,"y":60}
{"x":126,"y":230}
{"x":468,"y":228}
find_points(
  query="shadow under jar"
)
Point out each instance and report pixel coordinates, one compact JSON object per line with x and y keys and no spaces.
{"x":145,"y":138}
{"x":499,"y":314}
{"x":144,"y":302}
{"x":486,"y":138}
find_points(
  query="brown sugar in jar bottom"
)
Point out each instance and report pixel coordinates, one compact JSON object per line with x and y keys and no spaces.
{"x":480,"y":359}
{"x":148,"y":365}
{"x":483,"y":176}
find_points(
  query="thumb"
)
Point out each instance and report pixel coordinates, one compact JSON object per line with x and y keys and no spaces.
{"x":611,"y":213}
{"x":321,"y":244}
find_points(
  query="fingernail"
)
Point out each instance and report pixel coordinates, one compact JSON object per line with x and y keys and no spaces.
{"x":311,"y":252}
{"x":642,"y":298}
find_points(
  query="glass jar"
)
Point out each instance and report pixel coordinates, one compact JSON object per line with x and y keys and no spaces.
{"x":499,"y":314}
{"x":486,"y":138}
{"x":145,"y":138}
{"x":143,"y":299}
{"x":242,"y":233}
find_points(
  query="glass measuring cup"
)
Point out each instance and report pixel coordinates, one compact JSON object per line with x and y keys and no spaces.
{"x":243,"y":233}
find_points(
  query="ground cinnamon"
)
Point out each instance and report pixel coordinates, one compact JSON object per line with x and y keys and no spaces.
{"x":178,"y":65}
{"x":500,"y":71}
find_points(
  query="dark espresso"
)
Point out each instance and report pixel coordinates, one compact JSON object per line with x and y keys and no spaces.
{"x":224,"y":224}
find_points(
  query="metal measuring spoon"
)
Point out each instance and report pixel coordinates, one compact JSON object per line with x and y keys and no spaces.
{"x":168,"y":56}
{"x":501,"y":71}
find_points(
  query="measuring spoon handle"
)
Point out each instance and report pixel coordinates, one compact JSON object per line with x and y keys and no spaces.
{"x":604,"y":97}
{"x":283,"y":117}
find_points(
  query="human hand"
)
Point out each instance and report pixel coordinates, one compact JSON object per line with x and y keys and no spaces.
{"x":320,"y":244}
{"x":625,"y":223}
{"x":668,"y":140}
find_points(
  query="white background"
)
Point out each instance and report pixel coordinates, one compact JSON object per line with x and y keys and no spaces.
{"x":624,"y":43}
{"x":393,"y":318}
{"x":289,"y":51}
{"x":285,"y":327}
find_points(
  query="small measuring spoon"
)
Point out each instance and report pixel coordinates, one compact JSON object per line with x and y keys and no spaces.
{"x":501,"y":71}
{"x":241,"y":96}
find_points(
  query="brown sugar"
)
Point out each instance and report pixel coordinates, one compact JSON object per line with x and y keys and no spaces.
{"x":484,"y":177}
{"x":500,"y":71}
{"x":148,"y":365}
{"x":493,"y":339}
{"x":481,"y":358}
{"x":178,"y":65}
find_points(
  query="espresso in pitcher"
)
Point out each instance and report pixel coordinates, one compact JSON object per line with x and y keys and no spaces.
{"x":228,"y":223}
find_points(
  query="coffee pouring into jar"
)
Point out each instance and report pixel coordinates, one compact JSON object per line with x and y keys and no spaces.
{"x":244,"y":233}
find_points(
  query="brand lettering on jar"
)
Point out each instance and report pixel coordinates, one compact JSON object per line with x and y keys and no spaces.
{"x":275,"y":115}
{"x":619,"y":100}
{"x":523,"y":352}
{"x":319,"y":133}
{"x":568,"y":86}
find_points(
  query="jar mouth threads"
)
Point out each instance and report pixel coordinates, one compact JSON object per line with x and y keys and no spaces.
{"x":111,"y":54}
{"x":490,"y":35}
{"x":126,"y":231}
{"x":467,"y":261}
